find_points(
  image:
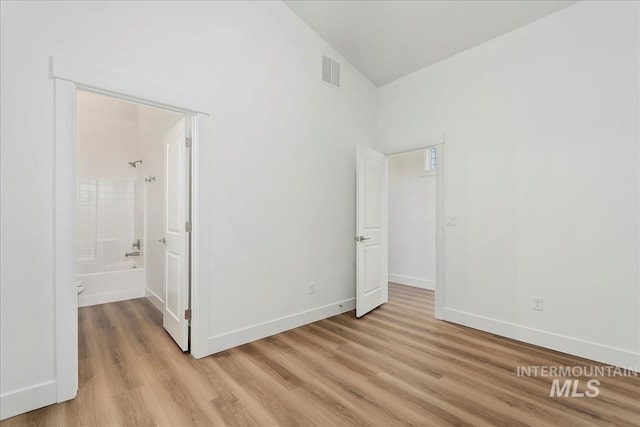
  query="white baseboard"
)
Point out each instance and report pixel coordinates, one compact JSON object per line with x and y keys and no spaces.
{"x":262,"y":330}
{"x":27,"y":399}
{"x":589,"y":350}
{"x":154,"y":298}
{"x":413,"y":281}
{"x":106,"y":297}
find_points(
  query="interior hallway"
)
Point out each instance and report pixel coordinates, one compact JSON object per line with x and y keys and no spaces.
{"x":399,"y":367}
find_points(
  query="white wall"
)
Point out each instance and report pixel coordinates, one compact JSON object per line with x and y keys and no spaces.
{"x":277,"y":182}
{"x":412,"y":226}
{"x":111,"y":204}
{"x":153,"y":124}
{"x":107,"y":137}
{"x":541,"y":171}
{"x":111,"y":133}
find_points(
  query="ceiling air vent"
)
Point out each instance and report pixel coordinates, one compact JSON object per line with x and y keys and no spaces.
{"x":330,"y":71}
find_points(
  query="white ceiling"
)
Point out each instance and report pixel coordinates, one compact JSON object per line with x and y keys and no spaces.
{"x":387,"y":40}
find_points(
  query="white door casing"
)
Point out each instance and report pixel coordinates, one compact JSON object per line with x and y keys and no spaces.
{"x":68,"y":75}
{"x":372,"y":288}
{"x":176,"y":298}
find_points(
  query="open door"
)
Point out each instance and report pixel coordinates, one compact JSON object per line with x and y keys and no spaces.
{"x":176,"y":236}
{"x":372,"y":287}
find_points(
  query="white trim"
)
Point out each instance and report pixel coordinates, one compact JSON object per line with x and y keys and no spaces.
{"x":440,"y":242}
{"x":85,"y":300}
{"x":68,"y":75}
{"x":127,"y":86}
{"x":262,"y":330}
{"x":154,"y":299}
{"x":412,"y":281}
{"x":26,"y":399}
{"x":428,"y":140}
{"x":574,"y":346}
{"x":64,"y":241}
{"x":202,"y":130}
{"x":329,"y":84}
{"x":638,"y":94}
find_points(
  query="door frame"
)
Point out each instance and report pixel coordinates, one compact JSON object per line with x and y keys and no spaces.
{"x":68,"y":76}
{"x":439,"y":279}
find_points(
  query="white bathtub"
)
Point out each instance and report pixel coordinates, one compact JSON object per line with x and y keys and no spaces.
{"x":111,"y":286}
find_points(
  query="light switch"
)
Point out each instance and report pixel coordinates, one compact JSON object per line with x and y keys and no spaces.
{"x":452,"y":221}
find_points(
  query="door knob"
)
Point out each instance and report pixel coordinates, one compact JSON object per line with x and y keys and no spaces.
{"x":163,"y":240}
{"x":361,"y":238}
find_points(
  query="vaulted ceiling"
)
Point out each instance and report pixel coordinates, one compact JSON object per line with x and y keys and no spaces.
{"x":387,"y":40}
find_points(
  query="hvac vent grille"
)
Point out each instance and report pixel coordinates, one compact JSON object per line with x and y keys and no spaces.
{"x":330,"y":71}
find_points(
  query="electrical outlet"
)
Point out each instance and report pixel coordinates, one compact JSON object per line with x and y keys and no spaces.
{"x":538,"y":303}
{"x":452,"y":221}
{"x":312,"y":288}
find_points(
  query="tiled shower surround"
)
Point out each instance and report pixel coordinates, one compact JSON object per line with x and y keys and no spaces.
{"x":107,"y":223}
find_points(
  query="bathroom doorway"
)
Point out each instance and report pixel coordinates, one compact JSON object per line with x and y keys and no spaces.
{"x":133,"y":172}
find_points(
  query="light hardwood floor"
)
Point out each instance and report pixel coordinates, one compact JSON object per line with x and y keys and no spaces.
{"x":397,"y":366}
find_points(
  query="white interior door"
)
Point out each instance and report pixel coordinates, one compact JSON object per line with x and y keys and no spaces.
{"x":372,"y":287}
{"x":176,"y":280}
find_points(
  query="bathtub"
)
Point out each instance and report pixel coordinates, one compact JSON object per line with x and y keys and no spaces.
{"x":87,"y":268}
{"x":112,"y":285}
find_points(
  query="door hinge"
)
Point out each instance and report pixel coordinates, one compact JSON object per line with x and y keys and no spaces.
{"x":187,"y":226}
{"x":187,"y":142}
{"x":187,"y":314}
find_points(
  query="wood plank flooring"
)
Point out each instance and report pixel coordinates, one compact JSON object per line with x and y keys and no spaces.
{"x":397,"y":366}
